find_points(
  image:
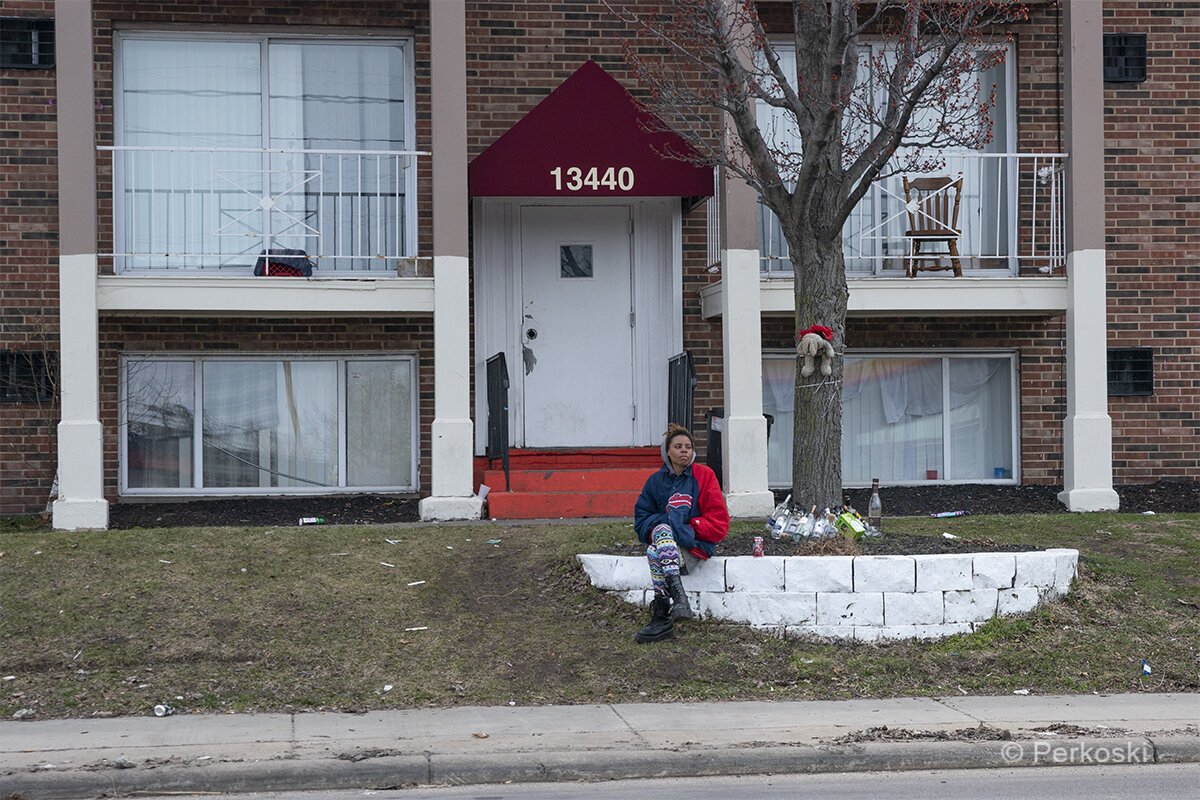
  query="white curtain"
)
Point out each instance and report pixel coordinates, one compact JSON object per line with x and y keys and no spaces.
{"x":779,"y":376}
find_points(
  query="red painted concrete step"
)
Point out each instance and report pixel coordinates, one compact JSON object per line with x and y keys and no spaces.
{"x":569,"y":480}
{"x":568,"y":505}
{"x":592,"y":458}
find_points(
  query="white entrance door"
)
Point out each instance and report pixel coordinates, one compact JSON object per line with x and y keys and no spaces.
{"x":576,"y":333}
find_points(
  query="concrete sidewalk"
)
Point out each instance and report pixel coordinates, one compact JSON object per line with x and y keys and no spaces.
{"x":273,"y":752}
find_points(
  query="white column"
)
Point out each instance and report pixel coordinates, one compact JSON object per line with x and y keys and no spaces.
{"x":451,"y":436}
{"x":1087,"y":429}
{"x":80,"y":503}
{"x":744,"y":438}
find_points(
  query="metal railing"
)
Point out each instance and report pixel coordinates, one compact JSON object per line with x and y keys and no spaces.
{"x":216,"y":209}
{"x":681,"y":386}
{"x":497,"y":419}
{"x":1011,"y":222}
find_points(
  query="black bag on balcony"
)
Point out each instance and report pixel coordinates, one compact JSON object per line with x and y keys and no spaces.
{"x":283,"y":263}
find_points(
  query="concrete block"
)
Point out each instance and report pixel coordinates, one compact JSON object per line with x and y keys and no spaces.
{"x":761,"y":608}
{"x":888,"y":633}
{"x":841,"y":632}
{"x":1035,"y":569}
{"x":854,"y":608}
{"x":616,"y":573}
{"x":777,"y":631}
{"x":994,"y":570}
{"x":884,"y":574}
{"x":977,"y":605}
{"x":1066,"y":568}
{"x":749,"y":574}
{"x":639,"y":597}
{"x":818,"y":573}
{"x":1018,"y":600}
{"x":707,"y":576}
{"x":944,"y":572}
{"x":912,"y":608}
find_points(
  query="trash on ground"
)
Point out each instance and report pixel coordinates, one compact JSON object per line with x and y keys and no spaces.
{"x":121,"y":762}
{"x":393,"y":541}
{"x":448,"y":547}
{"x":203,"y":758}
{"x":1146,"y":667}
{"x":338,"y":554}
{"x":1144,"y":514}
{"x":492,"y":541}
{"x":24,"y":713}
{"x":484,"y":489}
{"x":386,"y":564}
{"x":418,"y":628}
{"x":480,"y":735}
{"x":1021,"y":691}
{"x":512,"y":702}
{"x":944,"y":514}
{"x":163,"y":710}
{"x":387,"y":687}
{"x":312,"y":521}
{"x":416,"y":583}
{"x":10,"y":677}
{"x":949,"y":536}
{"x":164,"y":561}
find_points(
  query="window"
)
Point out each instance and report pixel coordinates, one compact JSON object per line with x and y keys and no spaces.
{"x":909,"y":418}
{"x":227,"y":146}
{"x":268,"y":424}
{"x":575,"y":261}
{"x":26,"y":376}
{"x":1130,"y":371}
{"x":1124,"y":57}
{"x":874,"y":234}
{"x":26,"y":43}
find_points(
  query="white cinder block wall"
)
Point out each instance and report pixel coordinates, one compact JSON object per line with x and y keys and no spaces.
{"x":867,"y":598}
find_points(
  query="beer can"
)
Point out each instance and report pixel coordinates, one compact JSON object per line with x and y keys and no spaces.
{"x":163,"y":710}
{"x":756,"y":549}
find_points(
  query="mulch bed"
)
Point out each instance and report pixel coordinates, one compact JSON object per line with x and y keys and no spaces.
{"x":898,"y":501}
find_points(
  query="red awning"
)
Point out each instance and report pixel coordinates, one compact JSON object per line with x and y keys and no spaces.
{"x":588,"y":138}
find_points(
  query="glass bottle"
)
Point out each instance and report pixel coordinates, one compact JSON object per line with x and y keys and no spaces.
{"x":875,"y":507}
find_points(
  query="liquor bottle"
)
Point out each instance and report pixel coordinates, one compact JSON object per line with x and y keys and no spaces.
{"x":875,"y":507}
{"x":779,"y":518}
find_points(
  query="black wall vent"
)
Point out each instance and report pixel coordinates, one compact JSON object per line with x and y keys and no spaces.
{"x":26,"y":377}
{"x":1130,"y":371}
{"x":1124,"y":57}
{"x":26,"y":43}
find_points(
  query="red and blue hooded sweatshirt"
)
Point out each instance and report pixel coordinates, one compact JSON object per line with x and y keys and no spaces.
{"x":690,"y":502}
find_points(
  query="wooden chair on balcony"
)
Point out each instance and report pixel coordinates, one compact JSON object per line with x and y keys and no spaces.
{"x":932,"y":205}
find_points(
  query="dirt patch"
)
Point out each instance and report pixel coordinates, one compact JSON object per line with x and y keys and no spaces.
{"x":898,"y":501}
{"x":890,"y":543}
{"x":883,"y":733}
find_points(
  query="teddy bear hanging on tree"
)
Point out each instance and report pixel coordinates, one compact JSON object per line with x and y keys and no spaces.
{"x":815,"y":343}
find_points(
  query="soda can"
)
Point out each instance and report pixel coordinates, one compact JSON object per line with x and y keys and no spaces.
{"x":756,"y":548}
{"x":163,"y":710}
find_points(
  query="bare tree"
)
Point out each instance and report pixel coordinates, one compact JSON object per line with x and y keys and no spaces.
{"x":846,"y":116}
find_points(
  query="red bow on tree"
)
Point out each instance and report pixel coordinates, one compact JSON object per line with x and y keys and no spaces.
{"x":820,"y":330}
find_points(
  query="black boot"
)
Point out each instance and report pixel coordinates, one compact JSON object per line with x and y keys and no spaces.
{"x":660,"y":626}
{"x":679,"y":601}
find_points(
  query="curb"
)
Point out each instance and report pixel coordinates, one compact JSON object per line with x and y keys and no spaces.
{"x":577,"y":765}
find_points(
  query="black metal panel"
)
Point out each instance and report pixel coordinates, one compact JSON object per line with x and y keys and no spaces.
{"x":681,"y":385}
{"x":1130,"y":371}
{"x":497,"y":405}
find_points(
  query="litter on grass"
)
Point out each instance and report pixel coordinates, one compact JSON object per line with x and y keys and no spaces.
{"x":164,"y":561}
{"x":1146,"y":667}
{"x":493,"y":541}
{"x":944,"y":514}
{"x":949,"y":536}
{"x":1021,"y":691}
{"x":416,"y":583}
{"x":418,"y":628}
{"x":387,"y":687}
{"x":386,"y":564}
{"x":393,"y":541}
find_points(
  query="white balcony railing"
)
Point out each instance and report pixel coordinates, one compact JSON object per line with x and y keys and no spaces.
{"x":1011,"y":220}
{"x":178,"y":209}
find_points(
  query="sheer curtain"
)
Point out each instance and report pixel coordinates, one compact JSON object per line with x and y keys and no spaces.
{"x":891,"y":419}
{"x":779,"y":376}
{"x":379,"y":423}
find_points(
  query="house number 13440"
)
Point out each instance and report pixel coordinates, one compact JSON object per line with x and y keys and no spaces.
{"x":612,"y":178}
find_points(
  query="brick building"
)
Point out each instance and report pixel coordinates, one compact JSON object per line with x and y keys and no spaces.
{"x":152,"y":151}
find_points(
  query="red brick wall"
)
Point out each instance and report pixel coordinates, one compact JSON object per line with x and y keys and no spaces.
{"x":28,"y":264}
{"x":1152,"y":181}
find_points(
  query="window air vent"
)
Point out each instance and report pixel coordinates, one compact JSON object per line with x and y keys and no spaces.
{"x":1124,"y":57}
{"x":26,"y":43}
{"x":1130,"y":371}
{"x":26,"y":377}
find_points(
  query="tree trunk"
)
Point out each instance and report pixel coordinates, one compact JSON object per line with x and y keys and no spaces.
{"x":821,"y":297}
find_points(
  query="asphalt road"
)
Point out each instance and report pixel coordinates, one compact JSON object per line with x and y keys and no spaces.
{"x":1144,"y":782}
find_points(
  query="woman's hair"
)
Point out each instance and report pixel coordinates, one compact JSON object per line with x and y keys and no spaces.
{"x":673,"y":430}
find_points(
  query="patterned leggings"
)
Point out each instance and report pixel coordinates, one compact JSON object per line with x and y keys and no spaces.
{"x":663,"y":554}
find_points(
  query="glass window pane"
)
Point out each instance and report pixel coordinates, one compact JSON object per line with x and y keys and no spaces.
{"x":980,"y":418}
{"x":892,"y":419}
{"x":270,"y":424}
{"x":575,"y":260}
{"x":379,"y":423}
{"x":159,"y":414}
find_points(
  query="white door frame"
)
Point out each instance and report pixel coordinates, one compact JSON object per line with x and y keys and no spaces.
{"x":657,"y":240}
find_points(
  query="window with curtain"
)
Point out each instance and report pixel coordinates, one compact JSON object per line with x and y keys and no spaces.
{"x":300,"y":424}
{"x":907,"y":419}
{"x":190,"y":200}
{"x":873,"y":237}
